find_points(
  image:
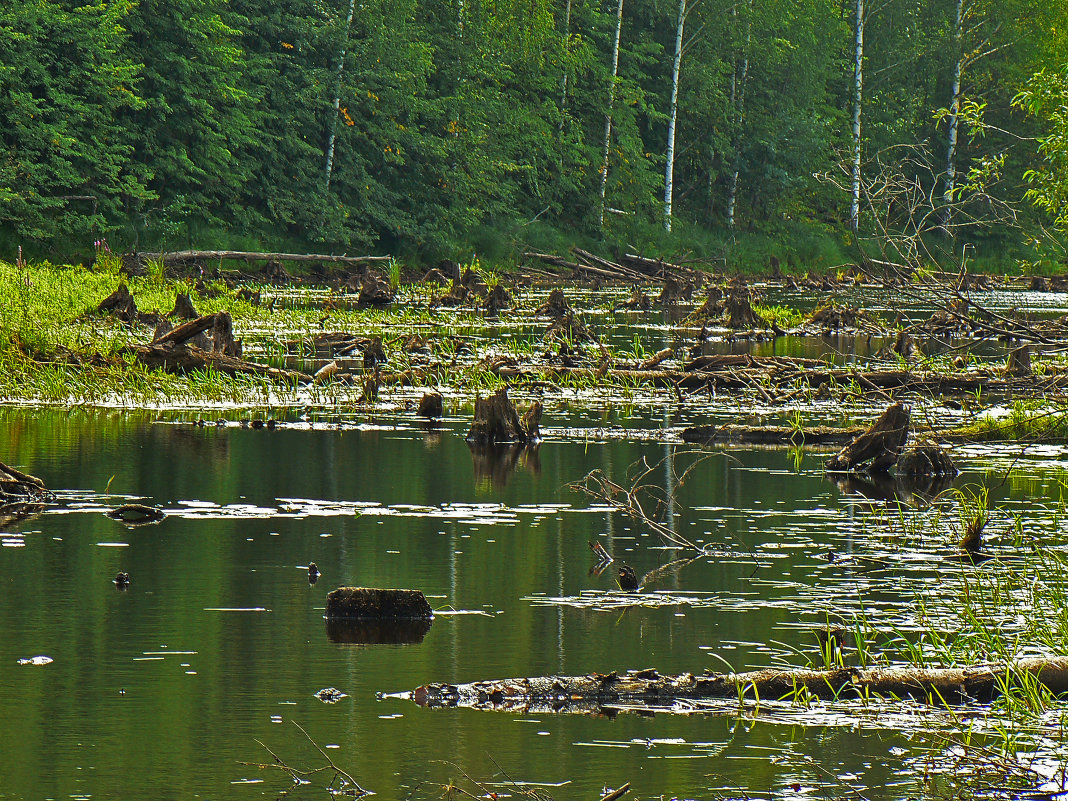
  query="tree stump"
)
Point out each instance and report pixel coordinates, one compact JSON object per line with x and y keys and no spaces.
{"x":926,"y":459}
{"x":1018,"y":362}
{"x":879,"y":446}
{"x":371,"y":602}
{"x":431,"y":405}
{"x":374,"y":291}
{"x":638,"y":301}
{"x":556,"y":306}
{"x":740,"y":312}
{"x":498,"y":299}
{"x":222,"y":336}
{"x":374,"y":354}
{"x":905,"y":347}
{"x":497,"y":422}
{"x":183,"y":307}
{"x":119,"y":303}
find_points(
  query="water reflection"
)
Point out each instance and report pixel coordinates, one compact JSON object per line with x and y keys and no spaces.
{"x":497,"y":464}
{"x":377,"y":632}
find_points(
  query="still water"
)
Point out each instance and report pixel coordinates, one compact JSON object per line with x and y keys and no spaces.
{"x":166,"y":689}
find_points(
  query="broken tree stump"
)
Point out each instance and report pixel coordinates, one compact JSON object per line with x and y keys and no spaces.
{"x":497,"y":422}
{"x":926,"y":459}
{"x":431,"y":405}
{"x":379,"y":604}
{"x":120,"y":304}
{"x":1018,"y":362}
{"x":556,"y":306}
{"x":374,"y":291}
{"x":740,"y":312}
{"x":879,"y":446}
{"x":222,"y":336}
{"x":183,"y":307}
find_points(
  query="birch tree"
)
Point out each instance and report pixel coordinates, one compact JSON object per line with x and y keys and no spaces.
{"x":338,"y":72}
{"x":858,"y":96}
{"x":608,"y":114}
{"x":673,"y":113}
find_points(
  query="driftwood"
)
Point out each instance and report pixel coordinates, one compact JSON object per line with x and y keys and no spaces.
{"x":497,"y":422}
{"x":880,"y":445}
{"x":21,"y":488}
{"x":685,"y":692}
{"x":180,"y":256}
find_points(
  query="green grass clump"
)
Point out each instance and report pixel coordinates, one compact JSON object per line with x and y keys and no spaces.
{"x":1025,"y":422}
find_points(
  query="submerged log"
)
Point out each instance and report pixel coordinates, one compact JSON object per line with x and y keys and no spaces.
{"x":771,"y":435}
{"x":375,"y":603}
{"x":596,"y":691}
{"x":497,"y":422}
{"x":135,"y":514}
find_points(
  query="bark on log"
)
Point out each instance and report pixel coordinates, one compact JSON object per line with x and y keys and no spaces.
{"x":880,"y":445}
{"x":178,"y":256}
{"x":186,"y":331}
{"x":592,"y":693}
{"x":189,"y":358}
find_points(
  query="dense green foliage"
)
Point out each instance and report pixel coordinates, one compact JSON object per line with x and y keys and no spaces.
{"x":429,"y":129}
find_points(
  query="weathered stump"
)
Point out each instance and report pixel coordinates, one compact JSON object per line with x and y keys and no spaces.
{"x":926,"y":459}
{"x":377,"y":604}
{"x":638,"y":301}
{"x":374,"y":291}
{"x":740,"y":312}
{"x":879,"y":446}
{"x":1038,"y":284}
{"x":497,"y":422}
{"x":374,"y":354}
{"x":556,"y":306}
{"x":183,"y":307}
{"x":905,"y":347}
{"x":1018,"y":362}
{"x":120,"y":304}
{"x":222,"y":336}
{"x":497,"y":300}
{"x":431,"y":405}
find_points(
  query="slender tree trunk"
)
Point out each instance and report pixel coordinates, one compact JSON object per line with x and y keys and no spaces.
{"x":337,"y":95}
{"x":739,"y":79}
{"x":858,"y":95}
{"x":611,"y":104}
{"x":954,"y":120}
{"x":669,"y":169}
{"x":563,"y":78}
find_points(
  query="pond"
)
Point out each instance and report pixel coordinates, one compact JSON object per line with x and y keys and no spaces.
{"x":176,"y":686}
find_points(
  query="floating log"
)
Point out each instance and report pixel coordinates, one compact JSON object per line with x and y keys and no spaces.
{"x":136,"y":514}
{"x":378,"y":604}
{"x":180,"y":256}
{"x":772,"y":435}
{"x":880,"y":445}
{"x":594,"y":692}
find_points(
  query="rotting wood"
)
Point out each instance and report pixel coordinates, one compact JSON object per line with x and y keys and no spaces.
{"x":771,"y":435}
{"x":179,"y":256}
{"x":496,"y":421}
{"x":596,"y":691}
{"x":377,"y":603}
{"x":879,"y":446}
{"x":17,"y":487}
{"x":189,"y":358}
{"x":431,"y":405}
{"x":183,"y":307}
{"x":186,"y":331}
{"x":1018,"y":362}
{"x":136,"y":514}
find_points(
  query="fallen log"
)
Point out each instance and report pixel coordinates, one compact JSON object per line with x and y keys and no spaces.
{"x":772,"y":435}
{"x":596,"y":691}
{"x":21,"y":488}
{"x":178,"y":256}
{"x":189,"y":358}
{"x":186,"y":331}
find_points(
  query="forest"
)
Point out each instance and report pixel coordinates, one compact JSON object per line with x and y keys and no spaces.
{"x":723,"y":130}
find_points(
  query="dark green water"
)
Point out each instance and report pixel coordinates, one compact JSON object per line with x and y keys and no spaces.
{"x":162,"y":691}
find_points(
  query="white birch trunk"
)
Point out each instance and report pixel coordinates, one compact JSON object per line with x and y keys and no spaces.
{"x":337,"y":95}
{"x":611,"y":104}
{"x":739,"y":78}
{"x":669,"y":168}
{"x":858,"y":95}
{"x":954,"y":121}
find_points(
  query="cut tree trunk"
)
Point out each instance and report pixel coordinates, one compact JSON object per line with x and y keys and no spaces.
{"x":497,"y":422}
{"x":1018,"y":363}
{"x":879,"y":446}
{"x":585,"y":694}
